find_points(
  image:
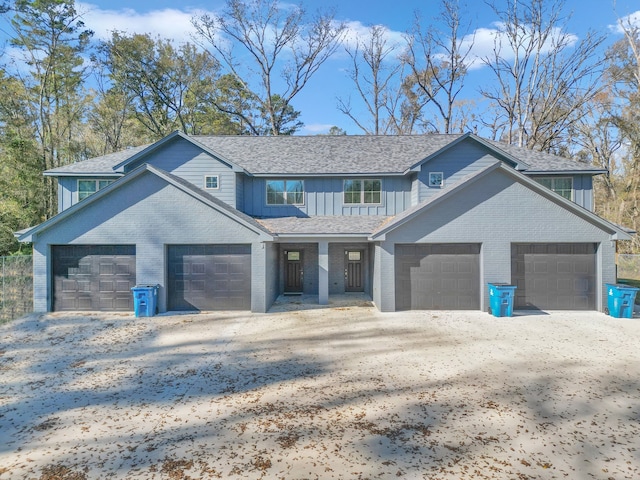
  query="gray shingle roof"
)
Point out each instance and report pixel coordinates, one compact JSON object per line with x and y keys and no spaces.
{"x":323,"y":154}
{"x":343,"y":225}
{"x":98,"y":165}
{"x":326,"y":154}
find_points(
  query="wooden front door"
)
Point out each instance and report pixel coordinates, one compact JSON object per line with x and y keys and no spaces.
{"x":353,"y":277}
{"x":293,"y":273}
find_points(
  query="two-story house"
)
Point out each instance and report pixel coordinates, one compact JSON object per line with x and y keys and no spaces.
{"x":416,"y":222}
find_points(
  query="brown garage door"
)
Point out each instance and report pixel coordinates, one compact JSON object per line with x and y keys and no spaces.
{"x":556,"y":276}
{"x":93,"y":277}
{"x":437,"y":276}
{"x":209,"y":277}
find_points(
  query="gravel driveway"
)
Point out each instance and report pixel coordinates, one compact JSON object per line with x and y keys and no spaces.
{"x":344,"y":392}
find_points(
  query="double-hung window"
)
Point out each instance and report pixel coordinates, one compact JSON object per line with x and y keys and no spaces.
{"x":362,"y":191}
{"x":563,"y":186}
{"x":285,"y":192}
{"x":89,"y":187}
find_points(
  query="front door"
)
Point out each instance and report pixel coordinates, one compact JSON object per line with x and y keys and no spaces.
{"x":353,"y":260}
{"x":293,"y":271}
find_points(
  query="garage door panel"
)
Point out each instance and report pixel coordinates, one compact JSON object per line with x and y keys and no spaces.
{"x":93,"y":277}
{"x":209,"y":277}
{"x":437,"y":276}
{"x":555,"y":276}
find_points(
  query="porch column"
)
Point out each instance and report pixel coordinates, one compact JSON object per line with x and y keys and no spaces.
{"x":323,"y":272}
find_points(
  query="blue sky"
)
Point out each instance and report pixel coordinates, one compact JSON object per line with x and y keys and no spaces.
{"x":318,"y":101}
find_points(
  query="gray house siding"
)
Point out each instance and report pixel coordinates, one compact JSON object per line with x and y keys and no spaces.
{"x":583,"y":191}
{"x":324,"y":196}
{"x":67,"y":187}
{"x":144,"y":213}
{"x":455,"y":163}
{"x":491,"y":213}
{"x":186,"y":160}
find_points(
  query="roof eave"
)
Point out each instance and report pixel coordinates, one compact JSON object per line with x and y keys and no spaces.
{"x":83,"y":174}
{"x":593,"y":171}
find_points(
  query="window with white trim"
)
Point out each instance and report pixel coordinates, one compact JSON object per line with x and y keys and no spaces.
{"x":563,"y":186}
{"x":285,"y":192}
{"x":363,"y":191}
{"x":211,"y":182}
{"x":436,"y":179}
{"x":89,"y":187}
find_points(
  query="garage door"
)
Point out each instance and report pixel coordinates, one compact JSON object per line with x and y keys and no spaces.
{"x":209,"y":277}
{"x":437,"y":276}
{"x":558,"y":276}
{"x":93,"y":277}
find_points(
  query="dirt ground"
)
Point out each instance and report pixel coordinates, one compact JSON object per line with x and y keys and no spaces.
{"x":342,"y":392}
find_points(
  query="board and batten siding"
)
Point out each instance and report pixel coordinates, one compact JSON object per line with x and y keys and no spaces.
{"x":583,"y":191}
{"x":189,"y":162}
{"x":68,"y":189}
{"x":324,"y":196}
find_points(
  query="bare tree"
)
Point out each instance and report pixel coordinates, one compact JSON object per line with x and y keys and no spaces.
{"x":375,"y":73}
{"x":438,"y":62}
{"x":280,"y":50}
{"x":623,"y":74}
{"x":543,"y":75}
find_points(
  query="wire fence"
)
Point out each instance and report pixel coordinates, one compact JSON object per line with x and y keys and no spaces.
{"x":629,"y":266}
{"x":16,"y":287}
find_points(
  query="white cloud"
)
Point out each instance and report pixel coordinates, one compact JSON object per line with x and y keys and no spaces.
{"x":486,"y":40}
{"x":356,"y":31}
{"x":316,"y":128}
{"x":632,"y":20}
{"x":168,"y":23}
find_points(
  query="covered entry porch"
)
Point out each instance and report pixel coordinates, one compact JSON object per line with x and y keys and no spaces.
{"x":321,"y":270}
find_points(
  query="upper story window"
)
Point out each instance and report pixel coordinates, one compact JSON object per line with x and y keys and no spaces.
{"x":436,"y":179}
{"x":89,"y":187}
{"x":211,"y":182}
{"x":362,"y":191}
{"x":563,"y":186}
{"x":285,"y":192}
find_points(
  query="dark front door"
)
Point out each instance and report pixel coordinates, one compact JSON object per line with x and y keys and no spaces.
{"x":293,"y":271}
{"x":353,"y":260}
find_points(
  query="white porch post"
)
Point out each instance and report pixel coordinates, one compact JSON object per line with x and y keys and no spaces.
{"x":323,"y":272}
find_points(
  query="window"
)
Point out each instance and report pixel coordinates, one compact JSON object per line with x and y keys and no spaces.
{"x":362,"y":191}
{"x":89,"y":187}
{"x":436,"y":179}
{"x":563,"y":186}
{"x":211,"y":182}
{"x":285,"y":192}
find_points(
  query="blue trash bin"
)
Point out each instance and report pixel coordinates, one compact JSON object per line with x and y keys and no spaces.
{"x":145,"y":300}
{"x":501,"y":299}
{"x":620,"y":300}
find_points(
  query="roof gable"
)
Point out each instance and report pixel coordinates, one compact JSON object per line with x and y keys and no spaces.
{"x":186,"y":187}
{"x":138,"y":158}
{"x":617,"y":232}
{"x":495,"y":151}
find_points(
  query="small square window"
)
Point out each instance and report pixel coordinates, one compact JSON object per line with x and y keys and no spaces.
{"x":436,"y":179}
{"x":354,"y":256}
{"x":211,"y":182}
